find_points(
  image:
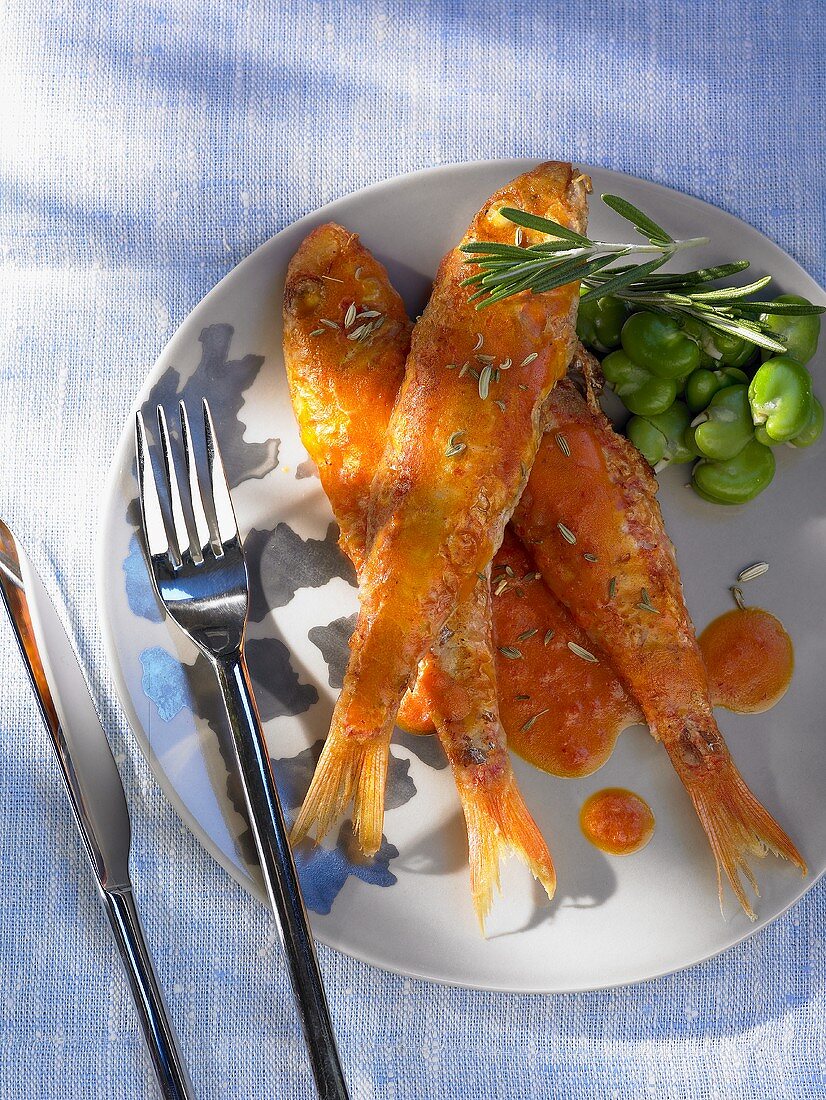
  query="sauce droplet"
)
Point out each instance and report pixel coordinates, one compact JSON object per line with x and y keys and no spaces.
{"x":617,"y":821}
{"x":750,"y":660}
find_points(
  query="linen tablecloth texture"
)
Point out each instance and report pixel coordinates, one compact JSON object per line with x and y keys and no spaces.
{"x":147,"y":148}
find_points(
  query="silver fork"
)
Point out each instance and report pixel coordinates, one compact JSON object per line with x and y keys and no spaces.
{"x":199,"y":572}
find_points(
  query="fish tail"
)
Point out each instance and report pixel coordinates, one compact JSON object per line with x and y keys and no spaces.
{"x":348,"y":768}
{"x":368,"y":806}
{"x":499,"y":822}
{"x":734,"y":820}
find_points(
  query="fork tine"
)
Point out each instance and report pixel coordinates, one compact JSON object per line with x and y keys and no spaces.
{"x":202,"y":527}
{"x":224,"y":511}
{"x":178,"y":518}
{"x":153,"y":524}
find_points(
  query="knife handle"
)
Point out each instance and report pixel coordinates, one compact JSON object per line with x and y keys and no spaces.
{"x":154,"y":1017}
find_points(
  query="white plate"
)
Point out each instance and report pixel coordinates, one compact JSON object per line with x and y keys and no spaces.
{"x":613,"y":920}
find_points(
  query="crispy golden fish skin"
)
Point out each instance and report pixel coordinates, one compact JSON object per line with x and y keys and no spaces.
{"x":331,"y":390}
{"x":437,"y":513}
{"x":628,"y":598}
{"x":334,"y":376}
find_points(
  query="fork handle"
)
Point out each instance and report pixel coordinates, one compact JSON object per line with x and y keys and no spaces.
{"x":280,"y":877}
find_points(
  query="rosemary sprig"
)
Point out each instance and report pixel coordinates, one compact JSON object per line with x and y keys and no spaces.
{"x":568,"y":256}
{"x":721,"y":309}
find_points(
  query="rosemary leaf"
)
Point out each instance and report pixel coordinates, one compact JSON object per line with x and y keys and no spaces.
{"x":624,"y":279}
{"x":544,"y":225}
{"x":792,"y":309}
{"x":730,"y":293}
{"x":641,"y":221}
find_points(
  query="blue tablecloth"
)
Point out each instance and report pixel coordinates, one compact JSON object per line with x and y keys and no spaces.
{"x":146,"y":148}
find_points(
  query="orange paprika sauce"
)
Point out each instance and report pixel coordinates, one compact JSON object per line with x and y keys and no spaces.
{"x":749,"y":658}
{"x":561,"y":712}
{"x":617,"y":821}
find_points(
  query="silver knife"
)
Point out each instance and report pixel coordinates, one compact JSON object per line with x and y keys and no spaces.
{"x":95,"y":793}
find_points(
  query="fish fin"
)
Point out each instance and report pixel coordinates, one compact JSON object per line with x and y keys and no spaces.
{"x":736,"y":824}
{"x":499,"y":822}
{"x":348,"y":768}
{"x":414,"y":713}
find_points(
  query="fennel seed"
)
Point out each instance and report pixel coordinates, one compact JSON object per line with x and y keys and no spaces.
{"x":753,"y":572}
{"x":738,"y":597}
{"x":645,"y":603}
{"x":350,"y":315}
{"x":510,"y":652}
{"x":523,"y":637}
{"x":590,"y":557}
{"x":548,"y":635}
{"x":567,"y":533}
{"x":562,"y":443}
{"x":529,"y":359}
{"x":580,"y":651}
{"x":454,"y":445}
{"x":531,"y":720}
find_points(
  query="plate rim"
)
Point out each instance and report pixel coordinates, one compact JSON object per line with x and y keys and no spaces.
{"x":514,"y":165}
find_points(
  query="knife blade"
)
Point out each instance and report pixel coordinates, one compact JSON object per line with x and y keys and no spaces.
{"x":95,"y":791}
